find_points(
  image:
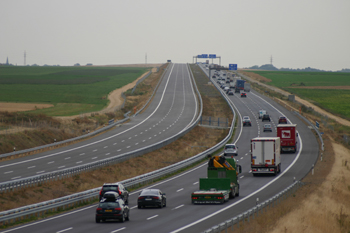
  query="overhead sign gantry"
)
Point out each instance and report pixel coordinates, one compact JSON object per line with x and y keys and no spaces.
{"x":206,"y":56}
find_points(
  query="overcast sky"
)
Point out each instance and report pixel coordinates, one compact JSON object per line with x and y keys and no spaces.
{"x":296,"y":33}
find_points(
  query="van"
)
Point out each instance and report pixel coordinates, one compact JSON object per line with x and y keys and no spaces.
{"x":261,"y":113}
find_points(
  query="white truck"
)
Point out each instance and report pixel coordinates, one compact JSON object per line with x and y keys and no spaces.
{"x":247,"y":87}
{"x":265,"y":155}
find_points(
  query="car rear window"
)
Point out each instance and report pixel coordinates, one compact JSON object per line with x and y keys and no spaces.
{"x":150,"y":192}
{"x":110,"y":188}
{"x":230,"y":147}
{"x":109,"y":205}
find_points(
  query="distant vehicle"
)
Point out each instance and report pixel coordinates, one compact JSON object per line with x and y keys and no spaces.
{"x":115,"y":187}
{"x":267,"y":127}
{"x":240,"y":84}
{"x":282,"y":120}
{"x":228,"y":81}
{"x":213,"y":76}
{"x":265,"y":155}
{"x":151,"y":197}
{"x":247,"y":87}
{"x":230,"y":149}
{"x":261,"y":113}
{"x":116,"y":209}
{"x":230,"y":93}
{"x":226,"y":88}
{"x":237,"y":90}
{"x":243,"y":94}
{"x":266,"y":117}
{"x":246,"y":121}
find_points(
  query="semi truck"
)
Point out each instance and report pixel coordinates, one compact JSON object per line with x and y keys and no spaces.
{"x":240,"y":84}
{"x":265,"y":155}
{"x":288,"y":135}
{"x":221,"y":182}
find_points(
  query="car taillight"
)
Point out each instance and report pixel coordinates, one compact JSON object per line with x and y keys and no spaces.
{"x":100,"y":192}
{"x":272,"y":169}
{"x":155,"y":198}
{"x":140,"y":198}
{"x":254,"y":170}
{"x":119,"y":209}
{"x":220,"y":198}
{"x":98,"y":209}
{"x":194,"y":197}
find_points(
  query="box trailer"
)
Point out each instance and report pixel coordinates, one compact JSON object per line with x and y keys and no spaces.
{"x":288,"y":135}
{"x":265,"y":155}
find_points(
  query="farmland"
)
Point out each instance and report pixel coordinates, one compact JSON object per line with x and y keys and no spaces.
{"x":324,"y":89}
{"x":71,"y":90}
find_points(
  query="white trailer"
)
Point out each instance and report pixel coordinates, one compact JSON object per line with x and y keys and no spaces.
{"x":247,"y":87}
{"x":265,"y":155}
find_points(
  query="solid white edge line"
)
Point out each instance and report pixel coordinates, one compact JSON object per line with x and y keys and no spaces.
{"x":123,"y":228}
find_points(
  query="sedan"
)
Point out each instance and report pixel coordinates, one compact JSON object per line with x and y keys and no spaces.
{"x":243,"y":94}
{"x":151,"y":197}
{"x":112,"y":210}
{"x":282,"y":120}
{"x":267,"y":127}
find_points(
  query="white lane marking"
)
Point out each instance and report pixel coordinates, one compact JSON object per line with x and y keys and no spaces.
{"x":64,"y":230}
{"x":143,"y":140}
{"x":179,"y":190}
{"x":130,"y":137}
{"x":136,"y":143}
{"x":123,"y":141}
{"x":114,"y":144}
{"x":128,"y":147}
{"x":67,"y":158}
{"x":149,"y":137}
{"x":119,"y":150}
{"x":178,"y":207}
{"x":31,"y":167}
{"x":61,"y":167}
{"x":79,"y":162}
{"x":15,"y":177}
{"x":94,"y":158}
{"x":152,"y":217}
{"x":8,"y":172}
{"x":133,"y":207}
{"x":107,"y":153}
{"x":135,"y":135}
{"x":40,"y":172}
{"x":241,"y":157}
{"x":241,"y":177}
{"x":94,"y":150}
{"x":105,"y":147}
{"x":49,"y":219}
{"x":50,"y":162}
{"x":123,"y":228}
{"x":141,"y":132}
{"x":82,"y":154}
{"x":195,"y":182}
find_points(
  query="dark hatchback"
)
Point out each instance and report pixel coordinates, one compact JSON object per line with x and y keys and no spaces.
{"x":151,"y":197}
{"x":112,"y":210}
{"x":282,"y":120}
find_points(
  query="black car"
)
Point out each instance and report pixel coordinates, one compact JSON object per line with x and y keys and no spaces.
{"x":151,"y":197}
{"x":116,"y":209}
{"x":115,"y":187}
{"x":243,"y":94}
{"x":230,"y":93}
{"x":246,"y":121}
{"x":266,"y":117}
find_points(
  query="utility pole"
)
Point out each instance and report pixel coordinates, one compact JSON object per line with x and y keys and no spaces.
{"x":25,"y":57}
{"x":146,"y":58}
{"x":271,"y":60}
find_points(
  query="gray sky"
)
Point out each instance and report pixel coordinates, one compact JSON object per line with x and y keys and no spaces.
{"x":297,"y":33}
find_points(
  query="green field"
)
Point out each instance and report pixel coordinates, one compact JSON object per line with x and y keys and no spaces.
{"x":72,"y":90}
{"x":333,"y":100}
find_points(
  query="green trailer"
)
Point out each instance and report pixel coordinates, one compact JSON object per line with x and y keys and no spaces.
{"x":222,"y":182}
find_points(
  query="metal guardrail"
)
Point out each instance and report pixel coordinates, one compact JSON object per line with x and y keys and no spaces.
{"x":245,"y":217}
{"x":137,"y":83}
{"x":24,"y":212}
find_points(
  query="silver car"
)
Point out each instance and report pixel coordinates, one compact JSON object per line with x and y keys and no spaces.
{"x":231,"y":149}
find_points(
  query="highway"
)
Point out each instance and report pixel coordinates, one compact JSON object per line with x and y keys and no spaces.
{"x":173,"y":109}
{"x":180,"y":215}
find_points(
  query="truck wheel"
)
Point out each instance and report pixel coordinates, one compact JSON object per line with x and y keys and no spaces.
{"x":237,"y":194}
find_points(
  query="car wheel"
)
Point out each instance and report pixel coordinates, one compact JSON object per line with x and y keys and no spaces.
{"x":139,"y":206}
{"x":165,"y":204}
{"x":98,"y":220}
{"x":128,"y":217}
{"x":161,"y":205}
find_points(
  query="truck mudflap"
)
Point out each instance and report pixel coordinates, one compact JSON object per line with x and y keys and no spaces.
{"x":210,"y":197}
{"x":266,"y":170}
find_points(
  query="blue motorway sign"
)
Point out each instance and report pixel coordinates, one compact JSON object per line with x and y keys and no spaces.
{"x":212,"y":55}
{"x":232,"y":66}
{"x":199,"y":56}
{"x":317,"y":125}
{"x":204,"y":55}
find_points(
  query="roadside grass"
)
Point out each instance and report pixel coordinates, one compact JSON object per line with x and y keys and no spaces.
{"x":69,"y":109}
{"x":196,"y":141}
{"x":88,"y":86}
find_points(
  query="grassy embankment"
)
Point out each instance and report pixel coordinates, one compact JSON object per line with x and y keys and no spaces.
{"x":72,"y":90}
{"x":189,"y":145}
{"x":322,"y":204}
